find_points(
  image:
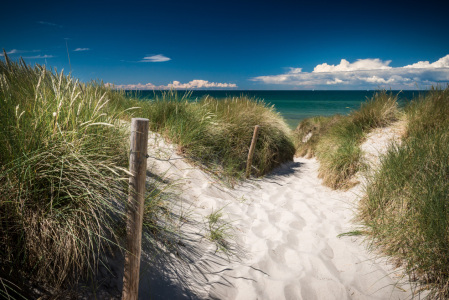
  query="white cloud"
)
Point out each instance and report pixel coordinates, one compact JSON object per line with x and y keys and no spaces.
{"x":82,"y":49}
{"x":360,"y":64}
{"x":38,"y":56}
{"x":15,"y":51}
{"x":155,"y":58}
{"x":295,"y":70}
{"x":139,"y":86}
{"x":441,"y":63}
{"x":9,"y":52}
{"x":198,"y":84}
{"x":376,"y":79}
{"x":194,"y":84}
{"x":364,"y":73}
{"x":335,"y":81}
{"x":49,"y":24}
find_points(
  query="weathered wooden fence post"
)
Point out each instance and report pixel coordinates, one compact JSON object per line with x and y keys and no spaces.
{"x":137,"y":168}
{"x":249,"y":162}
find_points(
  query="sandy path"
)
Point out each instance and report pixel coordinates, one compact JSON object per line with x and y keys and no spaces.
{"x":286,"y":227}
{"x":290,"y":231}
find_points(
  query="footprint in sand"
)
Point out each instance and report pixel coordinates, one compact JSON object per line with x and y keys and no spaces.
{"x":292,"y":240}
{"x":328,"y":252}
{"x":298,"y":224}
{"x":265,"y":231}
{"x":281,"y":216}
{"x":292,"y":291}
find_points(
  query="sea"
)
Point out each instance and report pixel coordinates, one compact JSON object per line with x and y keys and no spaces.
{"x":295,"y":106}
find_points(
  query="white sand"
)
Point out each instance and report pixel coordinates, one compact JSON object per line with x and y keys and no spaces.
{"x":378,"y":141}
{"x":285,"y":238}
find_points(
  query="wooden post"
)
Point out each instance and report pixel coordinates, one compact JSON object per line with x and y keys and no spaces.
{"x":249,"y":162}
{"x":137,"y":168}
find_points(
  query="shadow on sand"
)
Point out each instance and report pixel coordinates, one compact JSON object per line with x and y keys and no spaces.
{"x":178,"y":260}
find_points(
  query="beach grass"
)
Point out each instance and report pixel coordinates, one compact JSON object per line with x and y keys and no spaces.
{"x":335,"y":141}
{"x":308,"y":133}
{"x":406,"y":209}
{"x":217,"y":134}
{"x":64,"y":182}
{"x":60,"y":188}
{"x":405,"y":212}
{"x":339,"y":154}
{"x":219,"y":231}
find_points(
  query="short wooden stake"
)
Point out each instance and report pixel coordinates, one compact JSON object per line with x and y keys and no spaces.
{"x":137,"y":168}
{"x":249,"y":162}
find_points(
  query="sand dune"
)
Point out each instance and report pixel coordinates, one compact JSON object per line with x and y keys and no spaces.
{"x":285,"y":237}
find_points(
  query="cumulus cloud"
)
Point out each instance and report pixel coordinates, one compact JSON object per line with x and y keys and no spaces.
{"x":81,"y":49}
{"x":155,"y":58}
{"x":360,"y":64}
{"x":198,"y":84}
{"x":441,"y":63}
{"x":138,"y":86}
{"x":194,"y":84}
{"x":364,"y":73}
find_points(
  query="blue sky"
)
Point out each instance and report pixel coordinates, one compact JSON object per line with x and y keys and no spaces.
{"x":235,"y":44}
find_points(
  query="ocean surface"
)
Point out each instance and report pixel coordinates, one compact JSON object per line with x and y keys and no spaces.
{"x":295,"y":106}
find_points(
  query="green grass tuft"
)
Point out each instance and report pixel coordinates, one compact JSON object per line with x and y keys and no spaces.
{"x":219,"y":231}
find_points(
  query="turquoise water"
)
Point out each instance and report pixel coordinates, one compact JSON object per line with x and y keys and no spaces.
{"x":298,"y":105}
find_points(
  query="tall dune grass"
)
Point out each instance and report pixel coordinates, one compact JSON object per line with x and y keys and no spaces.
{"x":339,"y":154}
{"x":406,"y":207}
{"x":309,"y":132}
{"x":405,"y":211}
{"x":59,"y":185}
{"x":217,"y":133}
{"x":336,"y":140}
